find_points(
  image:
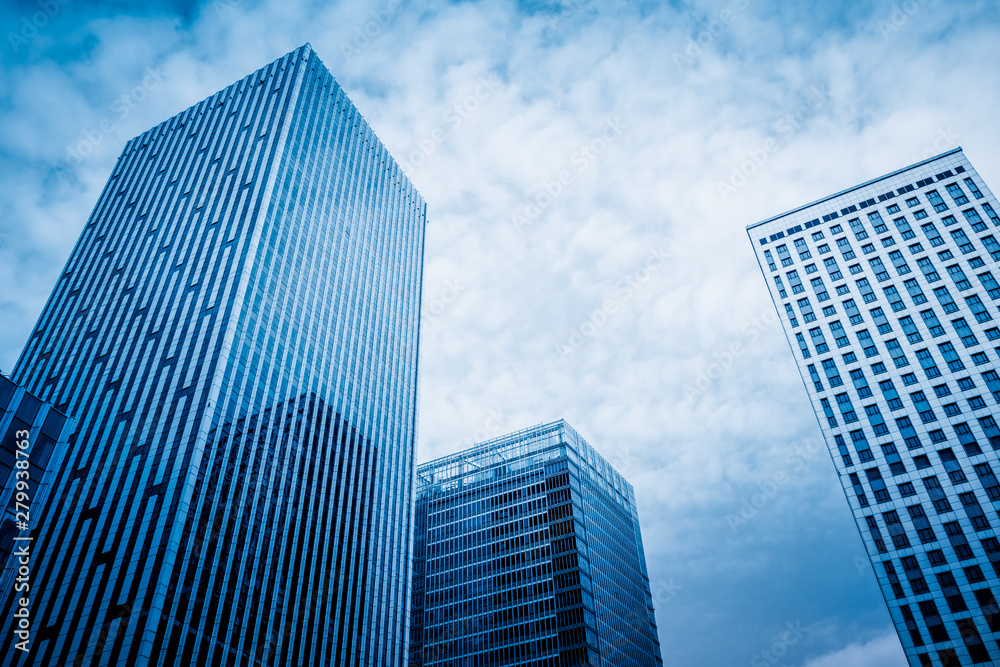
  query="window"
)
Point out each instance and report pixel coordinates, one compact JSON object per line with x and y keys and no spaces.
{"x":964,"y":332}
{"x":855,"y":269}
{"x":814,"y":376}
{"x":971,"y":184}
{"x":845,"y":249}
{"x":932,"y":322}
{"x":829,"y":311}
{"x":807,"y":311}
{"x":803,"y":346}
{"x":942,"y":390}
{"x":781,"y":287}
{"x":802,"y":249}
{"x":927,"y":267}
{"x":944,"y":298}
{"x":836,"y":229}
{"x":935,"y":200}
{"x":823,"y":248}
{"x":933,"y":487}
{"x":888,"y":241}
{"x":830,"y":370}
{"x":790,"y":312}
{"x":831,"y":419}
{"x":992,"y":246}
{"x":876,"y":220}
{"x":927,"y":363}
{"x":819,"y":341}
{"x":810,"y":268}
{"x":858,"y":229}
{"x":952,"y":409}
{"x":973,"y":218}
{"x":783,"y":255}
{"x":923,"y":407}
{"x":920,"y":215}
{"x":846,"y":409}
{"x":795,"y":282}
{"x":878,"y":424}
{"x":817,"y":236}
{"x":831,"y":266}
{"x":893,"y":208}
{"x":860,"y":383}
{"x":951,"y":357}
{"x":909,"y":433}
{"x":904,"y":228}
{"x":912,"y":201}
{"x":867,"y":343}
{"x":910,"y":329}
{"x":955,"y":190}
{"x":915,"y":248}
{"x":866,"y":290}
{"x":990,"y":283}
{"x":977,"y":403}
{"x":978,"y":309}
{"x":899,"y":262}
{"x":868,"y":248}
{"x":931,"y":232}
{"x":896,"y":352}
{"x":965,"y":384}
{"x":908,"y":379}
{"x":878,"y":368}
{"x":895,"y":301}
{"x":913,"y":289}
{"x":906,"y":490}
{"x":891,"y":396}
{"x":820,"y":289}
{"x":990,"y":212}
{"x":956,"y":273}
{"x":843,"y":289}
{"x":770,"y":260}
{"x":839,"y":335}
{"x":963,"y":242}
{"x":945,"y":255}
{"x":881,"y":320}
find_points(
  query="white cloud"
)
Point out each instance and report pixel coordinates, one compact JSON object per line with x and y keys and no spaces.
{"x":882,"y":651}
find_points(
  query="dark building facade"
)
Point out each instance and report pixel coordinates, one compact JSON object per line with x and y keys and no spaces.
{"x":235,"y":334}
{"x":888,"y":293}
{"x":527,"y":552}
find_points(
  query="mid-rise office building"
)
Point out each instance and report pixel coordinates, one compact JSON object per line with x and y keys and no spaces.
{"x":235,"y":334}
{"x":527,"y":551}
{"x":888,"y":293}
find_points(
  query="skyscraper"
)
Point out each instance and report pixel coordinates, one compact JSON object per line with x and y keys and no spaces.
{"x":527,"y":552}
{"x":888,"y":295}
{"x":236,"y":335}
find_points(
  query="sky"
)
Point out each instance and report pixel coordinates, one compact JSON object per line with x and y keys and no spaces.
{"x":589,"y":168}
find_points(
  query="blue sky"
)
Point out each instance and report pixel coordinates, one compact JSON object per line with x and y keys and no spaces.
{"x":589,"y":168}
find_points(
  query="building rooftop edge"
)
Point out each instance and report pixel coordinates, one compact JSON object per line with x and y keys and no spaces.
{"x":486,"y":445}
{"x":855,"y":187}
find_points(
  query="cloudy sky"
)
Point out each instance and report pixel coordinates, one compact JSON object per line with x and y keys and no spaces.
{"x":589,"y":168}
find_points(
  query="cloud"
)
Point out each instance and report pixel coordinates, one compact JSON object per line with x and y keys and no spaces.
{"x":682,"y":383}
{"x":884,"y":651}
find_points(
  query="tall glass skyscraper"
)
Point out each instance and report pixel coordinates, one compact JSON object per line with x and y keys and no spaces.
{"x":888,"y":295}
{"x":236,"y":335}
{"x":527,"y":552}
